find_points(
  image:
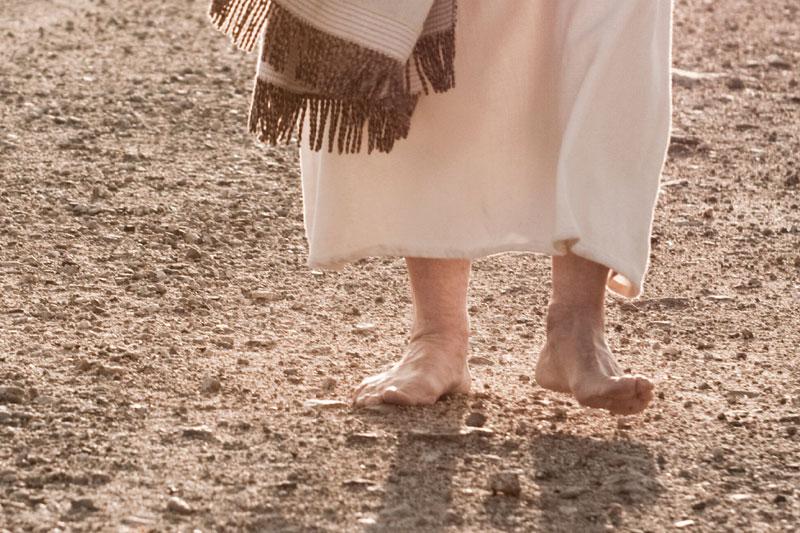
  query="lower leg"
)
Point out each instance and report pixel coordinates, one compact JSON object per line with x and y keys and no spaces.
{"x":434,"y":362}
{"x":576,"y":358}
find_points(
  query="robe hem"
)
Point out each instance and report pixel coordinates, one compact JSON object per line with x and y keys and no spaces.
{"x":620,"y":281}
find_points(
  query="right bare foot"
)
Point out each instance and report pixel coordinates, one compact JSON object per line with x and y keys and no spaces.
{"x":576,"y":360}
{"x":433,"y":365}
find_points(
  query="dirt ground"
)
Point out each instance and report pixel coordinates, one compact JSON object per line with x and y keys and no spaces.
{"x":163,"y":340}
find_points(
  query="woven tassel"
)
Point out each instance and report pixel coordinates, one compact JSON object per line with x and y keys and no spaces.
{"x":241,"y":20}
{"x":277,"y":116}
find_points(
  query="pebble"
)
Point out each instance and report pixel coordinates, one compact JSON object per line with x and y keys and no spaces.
{"x":505,"y":482}
{"x":680,"y":524}
{"x":211,"y":385}
{"x":572,"y":492}
{"x":616,"y":513}
{"x":735,"y":84}
{"x":480,"y":360}
{"x":225,"y":341}
{"x":265,"y":295}
{"x":362,"y":438}
{"x":476,"y":419}
{"x":193,"y":254}
{"x":323,"y":404}
{"x":179,"y":506}
{"x":261,"y":343}
{"x":328,"y":384}
{"x":200,"y":433}
{"x":689,"y":78}
{"x":624,"y":423}
{"x":114,"y":372}
{"x":363,"y":327}
{"x":11,"y":394}
{"x":671,"y":351}
{"x":777,"y":62}
{"x":83,"y":505}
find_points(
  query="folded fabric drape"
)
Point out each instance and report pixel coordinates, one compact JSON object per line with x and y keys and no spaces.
{"x":345,"y":66}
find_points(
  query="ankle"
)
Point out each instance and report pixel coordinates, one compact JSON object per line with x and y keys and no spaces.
{"x":456,"y":332}
{"x":566,"y":316}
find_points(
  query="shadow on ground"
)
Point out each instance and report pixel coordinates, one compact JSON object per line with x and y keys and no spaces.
{"x":588,"y":484}
{"x":430,"y":445}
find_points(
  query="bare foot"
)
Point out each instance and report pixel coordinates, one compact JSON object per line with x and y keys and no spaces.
{"x":576,"y":360}
{"x":431,"y":367}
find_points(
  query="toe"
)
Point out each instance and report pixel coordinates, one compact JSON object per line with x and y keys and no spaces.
{"x":414,"y":396}
{"x":366,"y":399}
{"x":623,"y":395}
{"x":396,"y":396}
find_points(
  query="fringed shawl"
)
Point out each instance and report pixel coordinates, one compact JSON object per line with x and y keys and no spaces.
{"x":346,"y":66}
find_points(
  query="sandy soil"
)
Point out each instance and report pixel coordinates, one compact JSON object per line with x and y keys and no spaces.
{"x":163,"y":341}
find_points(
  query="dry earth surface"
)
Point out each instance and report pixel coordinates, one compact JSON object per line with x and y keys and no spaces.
{"x":164,"y":344}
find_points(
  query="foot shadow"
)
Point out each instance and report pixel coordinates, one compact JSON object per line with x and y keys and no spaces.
{"x":589,"y":484}
{"x":429,"y":446}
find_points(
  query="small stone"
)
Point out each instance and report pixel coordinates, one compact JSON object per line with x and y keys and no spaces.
{"x":616,"y":514}
{"x":11,"y":394}
{"x":680,"y":524}
{"x":688,"y":78}
{"x":242,"y":361}
{"x":624,"y":423}
{"x":199,"y":433}
{"x":193,"y":254}
{"x":225,"y":341}
{"x":363,"y":328}
{"x":747,"y":334}
{"x":178,"y":506}
{"x":263,"y":295}
{"x":671,"y":351}
{"x":211,"y":385}
{"x":735,"y":84}
{"x":261,"y":342}
{"x":506,"y":482}
{"x":82,"y":505}
{"x":323,"y":404}
{"x":775,"y":61}
{"x":476,"y":419}
{"x":572,"y":492}
{"x":358,"y":483}
{"x":328,"y":384}
{"x":160,"y":288}
{"x":111,"y":371}
{"x":480,"y":360}
{"x":362,"y":438}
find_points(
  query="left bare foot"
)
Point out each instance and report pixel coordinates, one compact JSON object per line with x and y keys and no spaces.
{"x":576,"y":360}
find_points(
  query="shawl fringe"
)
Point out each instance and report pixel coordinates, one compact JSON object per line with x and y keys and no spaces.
{"x":241,"y":20}
{"x":277,"y":115}
{"x":344,"y":86}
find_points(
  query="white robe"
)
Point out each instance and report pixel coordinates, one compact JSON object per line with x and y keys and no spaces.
{"x":552,"y":140}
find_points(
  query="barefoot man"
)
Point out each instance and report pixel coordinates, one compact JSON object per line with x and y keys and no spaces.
{"x":552,"y":141}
